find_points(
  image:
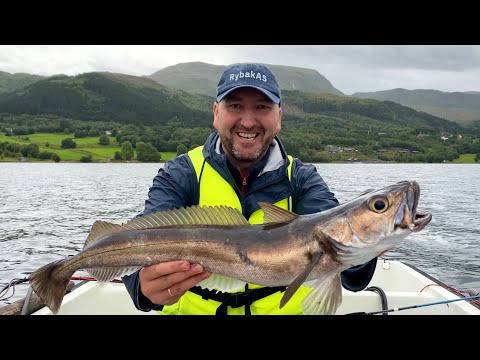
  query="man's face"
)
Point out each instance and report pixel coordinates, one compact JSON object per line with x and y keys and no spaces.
{"x":246,"y":121}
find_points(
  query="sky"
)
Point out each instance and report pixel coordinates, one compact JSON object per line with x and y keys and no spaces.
{"x":350,"y":68}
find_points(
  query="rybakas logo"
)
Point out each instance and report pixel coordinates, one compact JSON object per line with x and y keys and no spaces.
{"x":251,"y":74}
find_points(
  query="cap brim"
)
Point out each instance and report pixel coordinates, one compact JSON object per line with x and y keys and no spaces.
{"x":271,"y":96}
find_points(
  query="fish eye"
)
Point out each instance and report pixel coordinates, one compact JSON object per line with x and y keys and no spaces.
{"x":378,"y":204}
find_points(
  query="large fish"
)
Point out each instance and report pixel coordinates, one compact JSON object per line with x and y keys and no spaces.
{"x":286,"y":250}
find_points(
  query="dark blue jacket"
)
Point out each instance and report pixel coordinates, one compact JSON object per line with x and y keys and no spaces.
{"x":176,"y":186}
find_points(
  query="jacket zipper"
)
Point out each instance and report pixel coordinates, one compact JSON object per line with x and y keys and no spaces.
{"x":244,"y":180}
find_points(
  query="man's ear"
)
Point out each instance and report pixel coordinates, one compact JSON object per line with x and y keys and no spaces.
{"x":279,"y":124}
{"x":215,"y":114}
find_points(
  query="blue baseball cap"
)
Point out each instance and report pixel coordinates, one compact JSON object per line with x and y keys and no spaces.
{"x":256,"y":76}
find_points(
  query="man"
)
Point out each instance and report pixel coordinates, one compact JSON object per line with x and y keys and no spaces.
{"x":240,"y":164}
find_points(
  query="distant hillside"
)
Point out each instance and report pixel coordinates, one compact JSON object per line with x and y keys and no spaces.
{"x":11,"y":82}
{"x":103,"y":96}
{"x":386,"y":112}
{"x":316,"y":126}
{"x":127,"y":99}
{"x":462,"y":107}
{"x":202,"y":78}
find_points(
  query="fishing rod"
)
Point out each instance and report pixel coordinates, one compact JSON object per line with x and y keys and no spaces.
{"x":414,"y":306}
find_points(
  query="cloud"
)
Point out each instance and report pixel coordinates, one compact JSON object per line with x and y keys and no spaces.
{"x":350,"y":68}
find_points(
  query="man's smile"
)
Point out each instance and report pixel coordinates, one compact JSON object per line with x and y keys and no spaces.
{"x":247,"y":136}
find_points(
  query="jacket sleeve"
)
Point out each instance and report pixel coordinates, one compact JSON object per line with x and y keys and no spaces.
{"x":311,"y":194}
{"x":174,"y":186}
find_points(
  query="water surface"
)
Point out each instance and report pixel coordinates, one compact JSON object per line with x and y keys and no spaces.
{"x":47,"y":210}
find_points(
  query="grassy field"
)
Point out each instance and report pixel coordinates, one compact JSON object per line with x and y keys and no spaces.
{"x":465,"y":158}
{"x":105,"y":153}
{"x":85,"y":146}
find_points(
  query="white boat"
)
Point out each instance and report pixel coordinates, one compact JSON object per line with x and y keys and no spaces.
{"x":396,"y":288}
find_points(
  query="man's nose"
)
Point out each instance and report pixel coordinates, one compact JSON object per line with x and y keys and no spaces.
{"x":248,"y":119}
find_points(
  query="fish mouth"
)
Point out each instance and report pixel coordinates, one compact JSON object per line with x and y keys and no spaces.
{"x":413,"y":219}
{"x":420,"y":220}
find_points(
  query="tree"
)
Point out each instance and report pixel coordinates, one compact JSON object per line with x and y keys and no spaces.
{"x":87,"y":158}
{"x":118,"y":155}
{"x":104,"y":140}
{"x":68,"y":144}
{"x":31,"y":150}
{"x":64,"y":125}
{"x":181,"y":149}
{"x":127,"y":150}
{"x":147,"y":152}
{"x":55,"y":157}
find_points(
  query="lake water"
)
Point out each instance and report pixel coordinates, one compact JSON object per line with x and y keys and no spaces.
{"x":47,"y":209}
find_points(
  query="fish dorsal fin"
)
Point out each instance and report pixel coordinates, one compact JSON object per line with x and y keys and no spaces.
{"x":273,"y":213}
{"x":101,"y":229}
{"x":192,"y":215}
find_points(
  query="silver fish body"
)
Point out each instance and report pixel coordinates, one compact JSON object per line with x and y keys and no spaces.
{"x":287,"y":249}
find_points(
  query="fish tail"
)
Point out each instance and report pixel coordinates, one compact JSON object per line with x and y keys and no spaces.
{"x":50,"y":284}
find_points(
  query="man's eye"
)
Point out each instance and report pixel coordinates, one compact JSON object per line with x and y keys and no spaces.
{"x":263,"y":107}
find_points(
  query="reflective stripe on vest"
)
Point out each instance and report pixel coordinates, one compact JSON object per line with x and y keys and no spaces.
{"x":215,"y":190}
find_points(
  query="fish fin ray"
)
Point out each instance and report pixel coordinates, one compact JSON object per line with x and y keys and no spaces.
{"x":192,"y":215}
{"x":324,"y":298}
{"x":274,"y":214}
{"x":221,"y":283}
{"x":300,"y":279}
{"x":51,"y":285}
{"x":99,"y":230}
{"x":110,"y":273}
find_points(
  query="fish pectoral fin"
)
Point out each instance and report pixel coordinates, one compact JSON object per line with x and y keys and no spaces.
{"x":293,"y":287}
{"x":222,"y":283}
{"x":110,"y":273}
{"x":325,"y":297}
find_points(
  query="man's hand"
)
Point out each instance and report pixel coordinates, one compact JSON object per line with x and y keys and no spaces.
{"x":165,"y":283}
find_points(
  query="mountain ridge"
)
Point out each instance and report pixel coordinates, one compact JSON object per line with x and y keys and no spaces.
{"x":201,"y":78}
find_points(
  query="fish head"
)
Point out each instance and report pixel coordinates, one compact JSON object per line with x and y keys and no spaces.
{"x":378,"y":219}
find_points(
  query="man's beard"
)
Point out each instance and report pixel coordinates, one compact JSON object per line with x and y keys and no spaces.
{"x":230,"y":148}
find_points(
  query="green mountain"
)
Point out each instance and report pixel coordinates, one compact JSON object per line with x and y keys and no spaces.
{"x":11,"y":82}
{"x":127,"y":99}
{"x":202,"y":78}
{"x":351,"y":121}
{"x":315,"y":126}
{"x":462,"y":107}
{"x":103,"y":96}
